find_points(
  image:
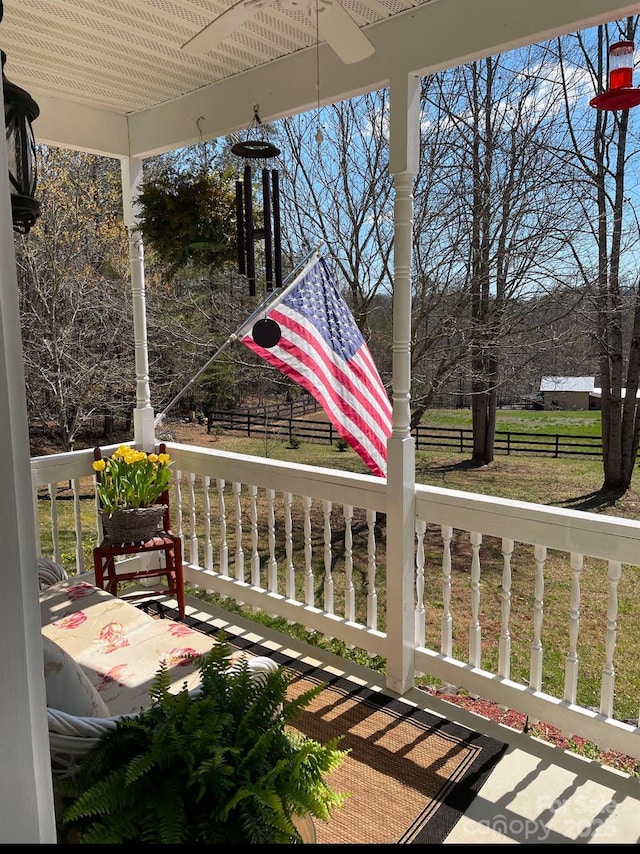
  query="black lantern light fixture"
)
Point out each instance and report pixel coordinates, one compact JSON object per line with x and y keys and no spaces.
{"x":19,"y":111}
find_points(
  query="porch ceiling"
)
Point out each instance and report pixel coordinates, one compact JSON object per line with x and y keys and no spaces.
{"x":110,"y":76}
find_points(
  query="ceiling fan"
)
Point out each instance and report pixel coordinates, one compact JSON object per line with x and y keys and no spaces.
{"x":335,"y":26}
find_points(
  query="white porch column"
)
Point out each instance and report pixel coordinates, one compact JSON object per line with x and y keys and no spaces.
{"x":26,"y":792}
{"x":404,"y":144}
{"x":143,"y":416}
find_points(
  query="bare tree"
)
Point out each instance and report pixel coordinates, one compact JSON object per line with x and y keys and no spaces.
{"x":74,"y":305}
{"x":488,"y":233}
{"x":503,"y":229}
{"x":606,"y":255}
{"x":338,"y":192}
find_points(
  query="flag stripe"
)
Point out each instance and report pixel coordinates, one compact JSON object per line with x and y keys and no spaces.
{"x":322,"y":349}
{"x":349,"y":424}
{"x":375,"y":460}
{"x":352,"y":378}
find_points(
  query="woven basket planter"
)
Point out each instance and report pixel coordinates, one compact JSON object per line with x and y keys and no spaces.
{"x":132,"y":526}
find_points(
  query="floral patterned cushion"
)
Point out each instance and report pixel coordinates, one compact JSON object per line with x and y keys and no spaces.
{"x":74,"y":613}
{"x":68,"y":689}
{"x":117,"y":645}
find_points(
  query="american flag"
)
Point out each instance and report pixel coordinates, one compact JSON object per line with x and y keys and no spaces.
{"x":322,"y":350}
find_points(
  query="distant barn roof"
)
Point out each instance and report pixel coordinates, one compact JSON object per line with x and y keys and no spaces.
{"x":567,"y":383}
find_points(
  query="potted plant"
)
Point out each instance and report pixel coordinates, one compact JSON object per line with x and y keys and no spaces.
{"x":221,"y":764}
{"x":189,"y":217}
{"x":128,"y":484}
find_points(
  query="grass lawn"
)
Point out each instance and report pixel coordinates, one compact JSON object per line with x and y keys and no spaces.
{"x":579,"y":423}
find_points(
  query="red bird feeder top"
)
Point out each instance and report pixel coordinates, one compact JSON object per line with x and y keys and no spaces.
{"x":621,"y":93}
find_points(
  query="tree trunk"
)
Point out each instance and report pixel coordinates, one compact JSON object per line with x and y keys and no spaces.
{"x":605,"y":170}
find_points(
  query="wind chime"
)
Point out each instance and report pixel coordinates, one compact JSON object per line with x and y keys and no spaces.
{"x":247,"y":230}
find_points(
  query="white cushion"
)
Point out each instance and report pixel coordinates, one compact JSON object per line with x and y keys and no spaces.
{"x":68,"y":688}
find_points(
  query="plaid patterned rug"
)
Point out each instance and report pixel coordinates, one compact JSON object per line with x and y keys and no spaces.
{"x":410,"y":774}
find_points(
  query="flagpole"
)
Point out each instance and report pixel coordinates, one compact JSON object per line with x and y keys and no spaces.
{"x":278,"y":296}
{"x":159,"y":419}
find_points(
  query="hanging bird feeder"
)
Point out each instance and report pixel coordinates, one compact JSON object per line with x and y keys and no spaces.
{"x":621,"y":94}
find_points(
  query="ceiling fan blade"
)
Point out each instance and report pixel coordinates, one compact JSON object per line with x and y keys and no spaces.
{"x":222,"y":26}
{"x":341,"y":33}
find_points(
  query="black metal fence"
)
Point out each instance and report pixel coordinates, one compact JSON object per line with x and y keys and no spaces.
{"x":257,"y":424}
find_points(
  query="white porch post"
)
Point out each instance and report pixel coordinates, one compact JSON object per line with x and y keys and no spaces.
{"x":143,"y":416}
{"x":26,"y":792}
{"x":403,"y":165}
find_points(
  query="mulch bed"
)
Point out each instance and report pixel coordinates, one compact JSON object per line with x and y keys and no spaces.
{"x":544,"y":731}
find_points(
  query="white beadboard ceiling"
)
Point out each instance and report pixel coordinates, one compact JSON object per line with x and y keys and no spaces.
{"x":110,"y":76}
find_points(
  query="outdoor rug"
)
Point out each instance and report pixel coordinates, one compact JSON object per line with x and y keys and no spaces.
{"x":410,"y":774}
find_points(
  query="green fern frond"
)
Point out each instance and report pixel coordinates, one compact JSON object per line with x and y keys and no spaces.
{"x":219,"y":765}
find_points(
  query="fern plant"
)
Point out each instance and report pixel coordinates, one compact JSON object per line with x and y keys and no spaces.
{"x":219,"y":765}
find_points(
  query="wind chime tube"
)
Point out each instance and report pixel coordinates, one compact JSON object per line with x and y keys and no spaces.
{"x":268,"y":248}
{"x":240,"y":236}
{"x":277,"y":243}
{"x":251,"y":266}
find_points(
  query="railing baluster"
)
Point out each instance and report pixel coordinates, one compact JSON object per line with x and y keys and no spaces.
{"x":535,"y":673}
{"x":608,"y":671}
{"x":349,"y":590}
{"x":419,"y":621}
{"x":35,"y":500}
{"x":77,"y":515}
{"x":372,"y":593}
{"x":475,"y":632}
{"x":504,"y":646}
{"x":53,"y":515}
{"x":308,"y":553}
{"x":177,"y":480}
{"x":193,"y":519}
{"x":328,"y":575}
{"x":237,"y":496}
{"x":206,"y":503}
{"x":446,"y":623}
{"x":290,"y":570}
{"x":272,"y":564}
{"x":223,"y":551}
{"x":571,"y":661}
{"x":255,"y":553}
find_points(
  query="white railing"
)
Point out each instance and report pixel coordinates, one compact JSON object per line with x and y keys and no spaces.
{"x":308,"y":544}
